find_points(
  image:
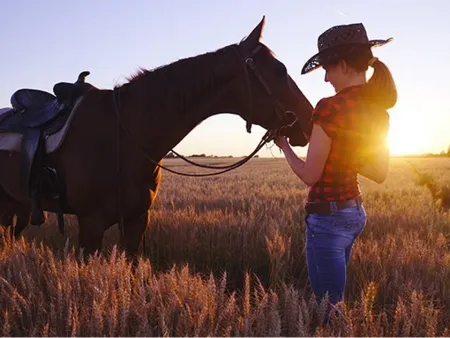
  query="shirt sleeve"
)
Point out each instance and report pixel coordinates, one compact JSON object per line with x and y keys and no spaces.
{"x":325,"y":115}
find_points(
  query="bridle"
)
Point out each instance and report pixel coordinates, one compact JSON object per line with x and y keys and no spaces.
{"x":247,"y":63}
{"x":267,"y":137}
{"x":279,"y":110}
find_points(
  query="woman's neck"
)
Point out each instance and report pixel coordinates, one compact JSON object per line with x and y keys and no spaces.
{"x":357,"y":80}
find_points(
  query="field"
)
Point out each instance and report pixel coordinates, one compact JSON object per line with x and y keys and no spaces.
{"x":225,"y":255}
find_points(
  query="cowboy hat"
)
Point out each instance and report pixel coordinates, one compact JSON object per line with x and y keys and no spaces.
{"x":335,"y":43}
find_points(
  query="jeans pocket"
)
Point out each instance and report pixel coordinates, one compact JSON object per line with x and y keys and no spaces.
{"x":311,"y":223}
{"x":319,"y":224}
{"x":352,"y":220}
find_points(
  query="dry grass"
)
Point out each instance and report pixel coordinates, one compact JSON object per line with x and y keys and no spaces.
{"x":225,"y":256}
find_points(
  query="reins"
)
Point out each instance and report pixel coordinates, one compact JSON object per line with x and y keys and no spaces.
{"x":267,"y":137}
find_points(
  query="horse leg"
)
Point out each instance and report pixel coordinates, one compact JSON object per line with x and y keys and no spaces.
{"x":23,"y":214}
{"x":6,"y":209}
{"x":91,"y":231}
{"x":6,"y":213}
{"x":133,"y":231}
{"x":134,"y":227}
{"x":9,"y":208}
{"x":7,"y":217}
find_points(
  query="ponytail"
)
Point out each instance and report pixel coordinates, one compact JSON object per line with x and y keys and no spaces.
{"x":381,"y":85}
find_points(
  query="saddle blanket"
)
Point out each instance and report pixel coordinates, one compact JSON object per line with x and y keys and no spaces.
{"x":10,"y":141}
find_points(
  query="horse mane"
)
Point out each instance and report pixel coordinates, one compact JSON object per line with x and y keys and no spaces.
{"x":140,"y":73}
{"x":175,"y":86}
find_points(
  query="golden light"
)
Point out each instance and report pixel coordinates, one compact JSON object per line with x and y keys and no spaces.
{"x":406,"y":138}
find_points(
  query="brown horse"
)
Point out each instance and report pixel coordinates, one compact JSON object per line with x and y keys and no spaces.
{"x":108,"y":159}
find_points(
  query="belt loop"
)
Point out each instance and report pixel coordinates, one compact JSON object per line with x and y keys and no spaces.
{"x":358,"y":202}
{"x":333,"y":206}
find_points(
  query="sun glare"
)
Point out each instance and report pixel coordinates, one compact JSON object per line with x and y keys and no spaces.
{"x":405,"y":140}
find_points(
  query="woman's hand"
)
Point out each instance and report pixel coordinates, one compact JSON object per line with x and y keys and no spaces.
{"x":281,"y":142}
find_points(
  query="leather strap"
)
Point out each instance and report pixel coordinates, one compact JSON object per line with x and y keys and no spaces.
{"x":328,"y":207}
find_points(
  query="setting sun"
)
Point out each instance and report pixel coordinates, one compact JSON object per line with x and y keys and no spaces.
{"x":405,"y":141}
{"x":415,"y":134}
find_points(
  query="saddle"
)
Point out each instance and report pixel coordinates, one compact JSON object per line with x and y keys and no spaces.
{"x":37,"y":114}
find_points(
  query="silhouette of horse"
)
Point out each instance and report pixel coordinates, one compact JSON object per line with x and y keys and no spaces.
{"x":109,"y":156}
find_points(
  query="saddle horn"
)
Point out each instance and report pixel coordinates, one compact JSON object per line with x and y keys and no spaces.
{"x":83,"y":76}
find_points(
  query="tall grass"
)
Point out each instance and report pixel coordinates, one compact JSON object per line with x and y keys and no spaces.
{"x":224,"y":256}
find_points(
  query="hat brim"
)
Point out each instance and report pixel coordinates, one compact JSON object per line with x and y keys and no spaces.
{"x":314,"y":61}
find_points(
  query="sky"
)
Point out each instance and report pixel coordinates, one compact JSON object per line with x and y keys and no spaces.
{"x":49,"y":41}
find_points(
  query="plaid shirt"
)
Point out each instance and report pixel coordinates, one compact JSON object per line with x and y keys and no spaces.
{"x":353,"y":122}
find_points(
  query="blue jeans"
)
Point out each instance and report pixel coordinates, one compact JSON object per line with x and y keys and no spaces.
{"x":329,"y":242}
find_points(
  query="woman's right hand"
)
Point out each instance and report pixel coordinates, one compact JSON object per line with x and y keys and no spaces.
{"x":281,"y":142}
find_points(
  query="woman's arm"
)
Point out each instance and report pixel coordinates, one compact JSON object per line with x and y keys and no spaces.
{"x":374,"y":150}
{"x":376,"y":166}
{"x":310,"y":170}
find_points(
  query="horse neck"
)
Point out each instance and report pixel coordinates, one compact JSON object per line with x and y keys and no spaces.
{"x":179,"y":102}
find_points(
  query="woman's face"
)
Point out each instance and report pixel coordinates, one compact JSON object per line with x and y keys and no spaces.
{"x":337,"y":75}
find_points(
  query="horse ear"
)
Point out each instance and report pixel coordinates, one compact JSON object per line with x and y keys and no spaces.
{"x":255,"y":35}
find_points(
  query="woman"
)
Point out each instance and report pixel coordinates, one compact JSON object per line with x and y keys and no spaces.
{"x":348,"y":137}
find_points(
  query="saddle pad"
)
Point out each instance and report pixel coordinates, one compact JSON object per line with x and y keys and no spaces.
{"x":4,"y":110}
{"x":13,"y":141}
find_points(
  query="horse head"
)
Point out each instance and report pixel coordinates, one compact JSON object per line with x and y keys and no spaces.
{"x":275,"y":102}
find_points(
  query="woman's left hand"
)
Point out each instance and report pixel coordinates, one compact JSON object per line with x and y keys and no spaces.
{"x":281,"y":142}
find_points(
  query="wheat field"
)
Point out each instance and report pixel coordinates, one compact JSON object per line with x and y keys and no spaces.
{"x":225,"y":256}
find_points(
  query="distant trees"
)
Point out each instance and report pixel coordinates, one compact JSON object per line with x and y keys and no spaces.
{"x":172,"y":155}
{"x":445,"y":153}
